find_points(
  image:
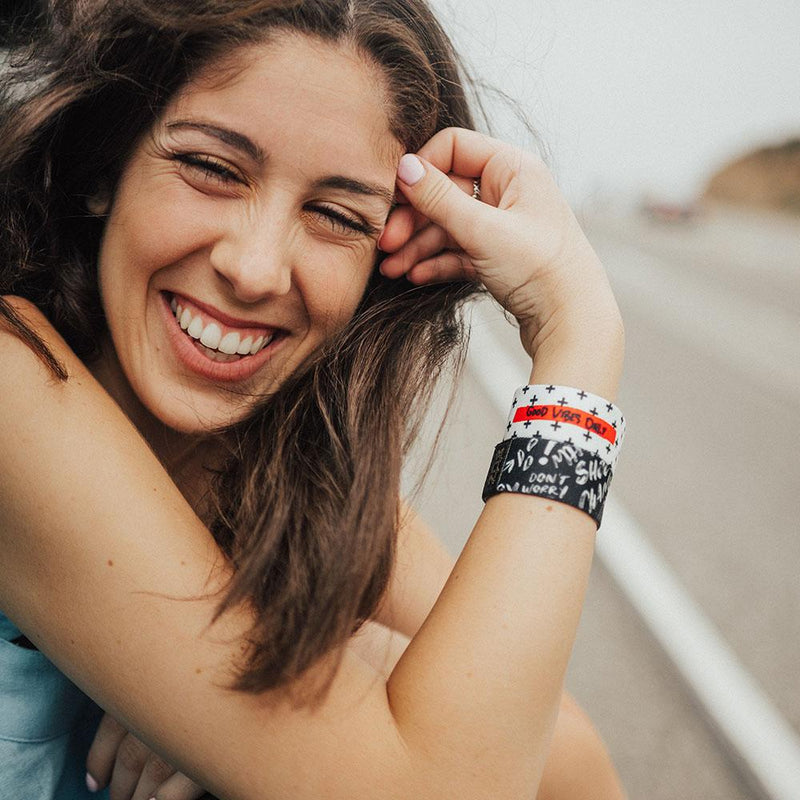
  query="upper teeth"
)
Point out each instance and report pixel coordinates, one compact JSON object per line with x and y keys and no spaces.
{"x":210,"y":334}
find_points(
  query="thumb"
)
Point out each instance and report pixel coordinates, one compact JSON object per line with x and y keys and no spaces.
{"x":437,"y":197}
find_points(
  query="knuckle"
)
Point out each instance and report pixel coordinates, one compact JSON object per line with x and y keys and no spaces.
{"x":132,"y":754}
{"x":179,"y":787}
{"x":435,"y":194}
{"x":533,"y":167}
{"x":157,"y":769}
{"x":451,"y":132}
{"x":445,"y":134}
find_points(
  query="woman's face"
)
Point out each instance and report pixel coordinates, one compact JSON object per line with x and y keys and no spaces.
{"x":244,"y":226}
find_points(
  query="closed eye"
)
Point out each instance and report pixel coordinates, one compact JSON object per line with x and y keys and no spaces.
{"x":340,"y":222}
{"x":217,"y":171}
{"x":211,"y":169}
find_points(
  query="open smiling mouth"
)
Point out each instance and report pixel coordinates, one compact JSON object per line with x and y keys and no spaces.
{"x":215,"y":346}
{"x":215,"y":340}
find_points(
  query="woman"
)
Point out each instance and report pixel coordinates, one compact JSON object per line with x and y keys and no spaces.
{"x":195,"y":201}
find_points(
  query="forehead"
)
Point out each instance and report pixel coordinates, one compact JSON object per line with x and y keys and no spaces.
{"x":326,"y":101}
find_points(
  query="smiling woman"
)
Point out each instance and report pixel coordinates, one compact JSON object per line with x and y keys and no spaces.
{"x":240,"y":162}
{"x":211,"y":238}
{"x":219,"y":211}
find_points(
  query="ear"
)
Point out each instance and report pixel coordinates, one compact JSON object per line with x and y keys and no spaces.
{"x":99,"y":202}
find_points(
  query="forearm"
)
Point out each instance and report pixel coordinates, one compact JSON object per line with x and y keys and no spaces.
{"x":578,"y":764}
{"x":116,"y":636}
{"x":489,"y":660}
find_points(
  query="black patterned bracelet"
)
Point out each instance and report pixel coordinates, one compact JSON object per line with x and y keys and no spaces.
{"x":559,"y":471}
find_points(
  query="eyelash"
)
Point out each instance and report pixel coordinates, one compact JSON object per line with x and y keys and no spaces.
{"x":214,"y":170}
{"x":211,"y":168}
{"x":342,"y":222}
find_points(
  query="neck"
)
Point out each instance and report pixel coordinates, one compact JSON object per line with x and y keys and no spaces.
{"x":186,"y":457}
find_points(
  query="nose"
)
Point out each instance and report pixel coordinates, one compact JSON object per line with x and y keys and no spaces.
{"x":254,"y":259}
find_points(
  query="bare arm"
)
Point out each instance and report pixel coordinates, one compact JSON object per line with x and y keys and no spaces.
{"x":118,"y":558}
{"x":420,"y":572}
{"x":502,"y":629}
{"x":102,"y":626}
{"x":469,"y":709}
{"x":578,"y":764}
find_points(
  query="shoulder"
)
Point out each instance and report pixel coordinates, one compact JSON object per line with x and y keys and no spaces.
{"x":20,"y":303}
{"x":32,"y":316}
{"x":29,"y":312}
{"x":27,"y":338}
{"x":46,"y":391}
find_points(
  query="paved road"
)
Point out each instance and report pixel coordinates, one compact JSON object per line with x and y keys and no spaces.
{"x":714,"y":375}
{"x":711,"y":392}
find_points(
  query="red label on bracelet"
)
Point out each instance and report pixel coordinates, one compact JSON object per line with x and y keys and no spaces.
{"x":567,"y":416}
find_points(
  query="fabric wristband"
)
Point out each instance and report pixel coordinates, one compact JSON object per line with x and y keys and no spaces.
{"x":564,"y":414}
{"x":562,"y":444}
{"x":554,"y":470}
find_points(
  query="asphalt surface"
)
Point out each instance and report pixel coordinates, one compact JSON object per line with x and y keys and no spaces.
{"x":711,"y":394}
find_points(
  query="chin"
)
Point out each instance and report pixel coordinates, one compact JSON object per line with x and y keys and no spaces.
{"x":192,"y":416}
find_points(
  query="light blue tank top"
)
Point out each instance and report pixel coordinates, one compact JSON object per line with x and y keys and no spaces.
{"x":46,"y":726}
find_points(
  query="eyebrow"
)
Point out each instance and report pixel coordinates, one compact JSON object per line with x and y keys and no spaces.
{"x":355,"y":187}
{"x":247,"y":146}
{"x":236,"y":140}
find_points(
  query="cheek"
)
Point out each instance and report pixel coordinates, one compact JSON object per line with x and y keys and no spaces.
{"x":148,"y":229}
{"x":333,"y":287}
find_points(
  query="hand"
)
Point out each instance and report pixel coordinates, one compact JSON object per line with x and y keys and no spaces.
{"x":131,"y":770}
{"x":521,"y":240}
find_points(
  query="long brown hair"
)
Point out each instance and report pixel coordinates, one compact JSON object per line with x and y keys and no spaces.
{"x":307,"y":503}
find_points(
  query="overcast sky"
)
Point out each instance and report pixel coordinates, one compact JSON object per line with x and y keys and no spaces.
{"x":631,"y":97}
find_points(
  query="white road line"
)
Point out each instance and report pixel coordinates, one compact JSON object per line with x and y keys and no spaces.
{"x":757,"y":342}
{"x":764,"y":744}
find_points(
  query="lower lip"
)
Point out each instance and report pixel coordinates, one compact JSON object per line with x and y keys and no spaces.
{"x":218,"y":371}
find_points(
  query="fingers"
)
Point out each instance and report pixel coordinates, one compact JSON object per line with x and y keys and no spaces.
{"x":131,"y":770}
{"x":446,"y":266}
{"x":161,"y":784}
{"x":439,"y":198}
{"x":461,"y":151}
{"x":423,"y":245}
{"x":131,"y":758}
{"x":437,"y":186}
{"x":154,"y":773}
{"x":103,"y":752}
{"x":179,"y":787}
{"x":475,"y":155}
{"x":405,"y":220}
{"x":139,"y":774}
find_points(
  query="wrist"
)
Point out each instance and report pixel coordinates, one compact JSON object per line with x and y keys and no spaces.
{"x":581,"y":352}
{"x":562,"y":444}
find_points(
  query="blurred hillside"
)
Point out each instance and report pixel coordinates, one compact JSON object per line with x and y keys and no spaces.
{"x":767,"y":178}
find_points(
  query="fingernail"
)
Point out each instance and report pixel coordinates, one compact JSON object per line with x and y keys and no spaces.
{"x":410,"y":169}
{"x":91,"y":784}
